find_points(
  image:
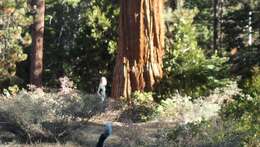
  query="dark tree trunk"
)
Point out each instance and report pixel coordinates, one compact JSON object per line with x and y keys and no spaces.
{"x":217,"y":24}
{"x":37,"y":44}
{"x":140,"y":47}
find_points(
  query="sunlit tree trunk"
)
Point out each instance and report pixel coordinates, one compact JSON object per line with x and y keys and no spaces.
{"x":220,"y":22}
{"x":37,"y":43}
{"x":140,"y":47}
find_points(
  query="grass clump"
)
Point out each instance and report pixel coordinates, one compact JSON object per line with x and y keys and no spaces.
{"x":37,"y":115}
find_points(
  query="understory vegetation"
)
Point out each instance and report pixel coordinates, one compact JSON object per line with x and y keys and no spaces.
{"x":35,"y":116}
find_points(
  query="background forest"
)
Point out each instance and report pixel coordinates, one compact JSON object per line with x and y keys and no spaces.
{"x":209,"y":92}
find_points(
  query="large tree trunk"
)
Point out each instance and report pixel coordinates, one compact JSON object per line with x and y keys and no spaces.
{"x":37,"y":43}
{"x":140,"y":48}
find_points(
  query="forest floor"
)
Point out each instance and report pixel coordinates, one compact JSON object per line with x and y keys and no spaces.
{"x":125,"y":133}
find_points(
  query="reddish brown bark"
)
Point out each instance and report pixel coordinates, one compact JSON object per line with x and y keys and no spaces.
{"x":140,"y":47}
{"x":37,"y":44}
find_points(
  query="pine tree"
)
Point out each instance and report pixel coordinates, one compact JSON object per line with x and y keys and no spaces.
{"x":13,"y":36}
{"x":37,"y":43}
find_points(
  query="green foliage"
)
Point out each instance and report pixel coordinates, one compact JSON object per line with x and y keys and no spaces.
{"x":167,"y":109}
{"x":238,"y":125}
{"x":11,"y":90}
{"x":245,"y":107}
{"x":143,"y":106}
{"x":215,"y":132}
{"x":72,"y":3}
{"x":142,"y":98}
{"x":81,"y":42}
{"x":187,"y":68}
{"x":185,"y":33}
{"x":245,"y":110}
{"x":252,"y":85}
{"x":13,"y":36}
{"x":202,"y":20}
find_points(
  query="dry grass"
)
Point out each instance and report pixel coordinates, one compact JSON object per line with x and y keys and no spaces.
{"x":124,"y":135}
{"x":85,"y":132}
{"x":41,"y":145}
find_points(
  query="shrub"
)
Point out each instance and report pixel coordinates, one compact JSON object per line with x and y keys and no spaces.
{"x":143,"y":98}
{"x":183,"y":109}
{"x":142,"y":108}
{"x":252,"y":85}
{"x":245,"y":108}
{"x":187,"y":69}
{"x":214,"y":132}
{"x":134,"y":136}
{"x":35,"y":113}
{"x":13,"y":38}
{"x":214,"y":122}
{"x":245,"y":111}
